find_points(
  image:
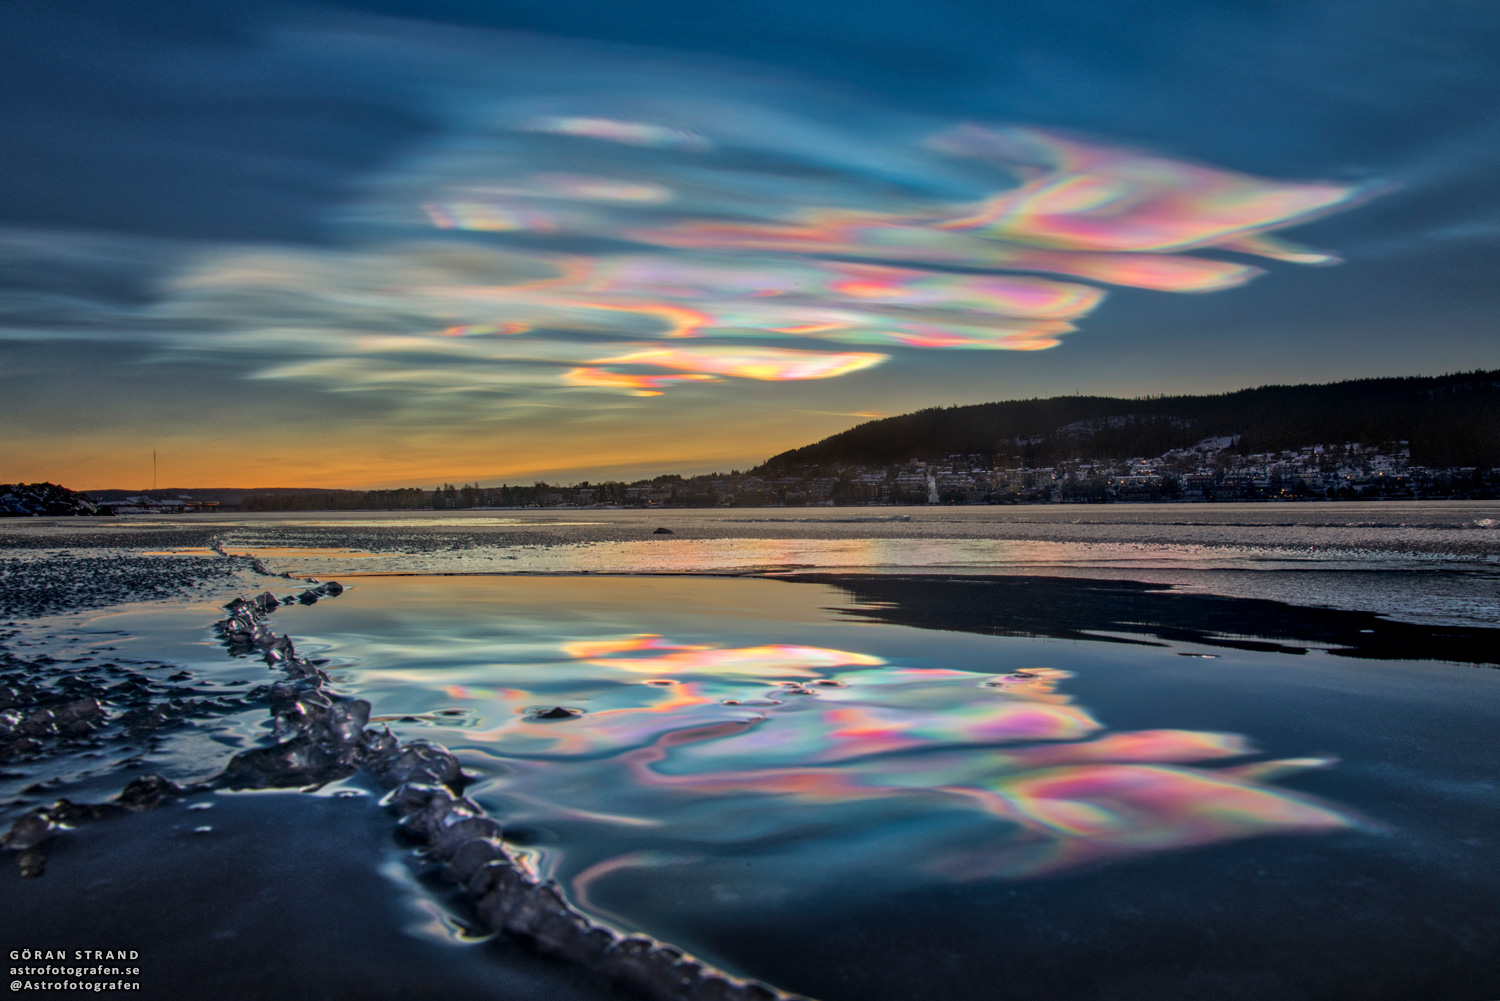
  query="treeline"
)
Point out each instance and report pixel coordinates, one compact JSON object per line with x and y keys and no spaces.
{"x":404,"y":499}
{"x":1447,"y":421}
{"x":539,"y":494}
{"x":445,"y":498}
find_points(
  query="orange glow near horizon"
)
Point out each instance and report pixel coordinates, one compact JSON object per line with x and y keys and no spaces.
{"x":587,"y":288}
{"x":376,"y":459}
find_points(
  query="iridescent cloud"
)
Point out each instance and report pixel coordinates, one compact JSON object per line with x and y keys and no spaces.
{"x":781,"y":262}
{"x":616,"y":130}
{"x":821,"y":300}
{"x":1089,"y":197}
{"x":876,"y":237}
{"x":578,"y":207}
{"x":764,"y":364}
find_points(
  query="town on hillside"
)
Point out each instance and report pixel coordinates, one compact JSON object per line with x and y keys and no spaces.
{"x":1211,"y":470}
{"x":1208,"y":471}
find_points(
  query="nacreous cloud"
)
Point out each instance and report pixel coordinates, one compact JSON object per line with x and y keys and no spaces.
{"x":600,"y":221}
{"x":680,"y":205}
{"x":779,"y":231}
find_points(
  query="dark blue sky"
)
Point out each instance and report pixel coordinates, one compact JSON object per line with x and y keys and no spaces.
{"x":228,"y":210}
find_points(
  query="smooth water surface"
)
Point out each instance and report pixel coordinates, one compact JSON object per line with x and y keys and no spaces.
{"x":1420,"y":561}
{"x":1043,"y":780}
{"x":855,"y":809}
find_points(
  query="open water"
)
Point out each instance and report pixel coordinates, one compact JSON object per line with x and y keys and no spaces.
{"x":1217,"y":751}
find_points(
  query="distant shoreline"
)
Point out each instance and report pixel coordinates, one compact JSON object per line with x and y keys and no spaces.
{"x":1194,"y":502}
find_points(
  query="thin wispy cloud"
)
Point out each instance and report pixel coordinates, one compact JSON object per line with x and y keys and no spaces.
{"x":650,"y":226}
{"x":487,"y":226}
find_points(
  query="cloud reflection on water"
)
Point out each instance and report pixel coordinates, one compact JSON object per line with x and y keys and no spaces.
{"x":982,"y":776}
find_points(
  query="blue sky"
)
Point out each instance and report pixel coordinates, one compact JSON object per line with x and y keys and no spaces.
{"x":395,"y":243}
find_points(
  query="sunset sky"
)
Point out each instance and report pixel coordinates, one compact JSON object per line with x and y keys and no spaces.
{"x":389,"y":243}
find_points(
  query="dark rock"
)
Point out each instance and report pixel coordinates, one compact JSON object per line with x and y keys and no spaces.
{"x":663,"y":531}
{"x":559,"y":930}
{"x":555,"y":713}
{"x":84,"y":713}
{"x":147,"y":793}
{"x":347,"y":718}
{"x":32,"y":864}
{"x":448,"y":838}
{"x":471,"y":857}
{"x":412,"y":797}
{"x":29,"y":831}
{"x":443,"y":810}
{"x":530,"y":911}
{"x":379,"y":747}
{"x":324,"y":737}
{"x":69,"y":814}
{"x":422,"y":826}
{"x":421,"y":761}
{"x":296,"y":762}
{"x":144,"y":718}
{"x":485,"y":878}
{"x":43,"y":499}
{"x":507,"y":886}
{"x":280,"y":649}
{"x":285,"y":694}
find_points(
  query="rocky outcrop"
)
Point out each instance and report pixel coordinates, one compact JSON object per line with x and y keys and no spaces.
{"x":320,"y":736}
{"x":35,"y":500}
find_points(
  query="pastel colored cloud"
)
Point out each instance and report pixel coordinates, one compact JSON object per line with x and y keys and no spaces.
{"x":607,"y":222}
{"x":739,"y":252}
{"x":1084,"y":196}
{"x":618,"y":131}
{"x":704,"y":364}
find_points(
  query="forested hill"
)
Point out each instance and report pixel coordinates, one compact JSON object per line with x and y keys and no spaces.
{"x":1450,"y":420}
